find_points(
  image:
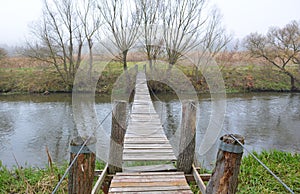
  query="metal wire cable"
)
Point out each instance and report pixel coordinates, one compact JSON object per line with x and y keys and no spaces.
{"x":76,"y":156}
{"x":261,"y":163}
{"x":258,"y":160}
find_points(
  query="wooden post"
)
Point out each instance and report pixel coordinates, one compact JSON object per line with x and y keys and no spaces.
{"x":187,"y":137}
{"x":119,"y":122}
{"x":81,"y":174}
{"x":224,"y":177}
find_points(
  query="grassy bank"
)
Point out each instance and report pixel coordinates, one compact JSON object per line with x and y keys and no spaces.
{"x":253,"y":177}
{"x":32,"y":77}
{"x":35,"y":180}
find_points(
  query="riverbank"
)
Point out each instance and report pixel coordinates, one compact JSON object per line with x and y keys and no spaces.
{"x":253,"y":177}
{"x":27,"y":76}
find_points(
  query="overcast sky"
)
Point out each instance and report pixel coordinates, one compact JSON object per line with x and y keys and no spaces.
{"x":240,"y":17}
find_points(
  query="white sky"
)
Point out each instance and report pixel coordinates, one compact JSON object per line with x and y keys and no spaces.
{"x":240,"y":17}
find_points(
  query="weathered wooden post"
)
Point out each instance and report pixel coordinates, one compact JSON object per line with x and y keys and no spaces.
{"x":81,"y":174}
{"x":187,"y":137}
{"x":224,"y":177}
{"x":119,"y":122}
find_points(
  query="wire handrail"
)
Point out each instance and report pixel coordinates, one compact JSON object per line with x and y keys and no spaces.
{"x":258,"y":160}
{"x":261,"y":163}
{"x":79,"y":151}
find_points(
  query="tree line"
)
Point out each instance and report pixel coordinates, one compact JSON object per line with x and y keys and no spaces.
{"x":158,"y":26}
{"x":68,"y":29}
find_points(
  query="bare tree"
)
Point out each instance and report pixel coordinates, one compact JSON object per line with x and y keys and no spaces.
{"x":60,"y":36}
{"x":3,"y":53}
{"x":182,"y":22}
{"x":90,"y":24}
{"x":151,"y":39}
{"x":122,"y":21}
{"x":215,"y":37}
{"x":279,"y":48}
{"x":214,"y":40}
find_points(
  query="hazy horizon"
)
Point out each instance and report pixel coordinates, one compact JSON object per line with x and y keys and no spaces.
{"x":239,"y":17}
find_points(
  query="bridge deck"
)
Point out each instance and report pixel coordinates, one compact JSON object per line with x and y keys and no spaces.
{"x":150,"y":182}
{"x":145,"y":140}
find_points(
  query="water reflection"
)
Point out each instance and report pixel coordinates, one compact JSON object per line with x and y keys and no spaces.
{"x":267,"y":121}
{"x":30,"y":123}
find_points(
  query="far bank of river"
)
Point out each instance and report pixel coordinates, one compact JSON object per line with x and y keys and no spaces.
{"x":30,"y":123}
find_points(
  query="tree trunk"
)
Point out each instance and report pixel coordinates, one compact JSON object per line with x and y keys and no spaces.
{"x":293,"y":87}
{"x":125,"y":60}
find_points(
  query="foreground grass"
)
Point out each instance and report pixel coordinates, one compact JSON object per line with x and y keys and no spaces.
{"x":35,"y":180}
{"x":253,"y":177}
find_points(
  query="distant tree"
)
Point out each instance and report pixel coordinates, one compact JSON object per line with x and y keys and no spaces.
{"x":60,"y":35}
{"x":213,"y":41}
{"x":121,"y":24}
{"x":280,"y":47}
{"x":3,"y":53}
{"x":182,"y":22}
{"x":151,"y":39}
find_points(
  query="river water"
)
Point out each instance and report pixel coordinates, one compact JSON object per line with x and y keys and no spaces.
{"x":31,"y":123}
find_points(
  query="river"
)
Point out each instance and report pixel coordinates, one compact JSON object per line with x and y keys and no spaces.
{"x":30,"y":123}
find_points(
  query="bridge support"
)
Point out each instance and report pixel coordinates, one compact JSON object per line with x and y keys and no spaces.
{"x":224,"y":177}
{"x":187,"y":137}
{"x":119,"y":122}
{"x":81,"y":174}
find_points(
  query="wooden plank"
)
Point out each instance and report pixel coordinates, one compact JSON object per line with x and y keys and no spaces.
{"x":147,"y":146}
{"x":145,"y":139}
{"x":148,"y":157}
{"x":161,"y":192}
{"x":147,"y":183}
{"x":198,"y":180}
{"x":157,"y":150}
{"x":144,"y":133}
{"x":151,"y":168}
{"x":149,"y":173}
{"x":100,"y":180}
{"x":159,"y":188}
{"x":150,"y":177}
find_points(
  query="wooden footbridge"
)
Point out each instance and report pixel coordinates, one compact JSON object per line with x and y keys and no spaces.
{"x":143,"y":142}
{"x":146,"y":141}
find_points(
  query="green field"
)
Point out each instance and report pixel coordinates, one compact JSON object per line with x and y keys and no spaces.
{"x":246,"y":78}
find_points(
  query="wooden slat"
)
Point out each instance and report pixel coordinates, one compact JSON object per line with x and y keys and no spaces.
{"x":148,"y":157}
{"x":147,"y":146}
{"x":151,"y":168}
{"x":160,"y":192}
{"x":198,"y":180}
{"x":156,"y":150}
{"x":100,"y":180}
{"x":154,"y":182}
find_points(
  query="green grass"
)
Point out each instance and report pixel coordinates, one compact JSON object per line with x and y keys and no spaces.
{"x":35,"y":180}
{"x":31,"y":180}
{"x":253,"y":178}
{"x":242,"y":78}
